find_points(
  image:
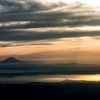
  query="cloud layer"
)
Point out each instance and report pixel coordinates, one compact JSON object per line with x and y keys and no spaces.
{"x":27,"y":14}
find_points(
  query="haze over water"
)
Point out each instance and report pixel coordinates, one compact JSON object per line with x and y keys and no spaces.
{"x":51,"y":79}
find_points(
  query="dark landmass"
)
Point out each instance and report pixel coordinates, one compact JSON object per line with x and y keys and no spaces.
{"x":51,"y":91}
{"x":11,"y":60}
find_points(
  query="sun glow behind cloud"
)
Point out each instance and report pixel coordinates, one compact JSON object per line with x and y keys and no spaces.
{"x":51,"y":28}
{"x":81,"y":49}
{"x":68,"y":78}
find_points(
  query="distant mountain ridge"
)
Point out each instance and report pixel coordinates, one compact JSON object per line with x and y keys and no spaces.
{"x":11,"y":60}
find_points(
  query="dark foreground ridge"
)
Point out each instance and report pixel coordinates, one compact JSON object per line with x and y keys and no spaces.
{"x":11,"y":60}
{"x":46,"y":91}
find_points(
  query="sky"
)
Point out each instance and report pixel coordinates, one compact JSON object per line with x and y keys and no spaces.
{"x":50,"y":31}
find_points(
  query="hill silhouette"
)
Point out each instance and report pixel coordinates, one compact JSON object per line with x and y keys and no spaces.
{"x":11,"y":60}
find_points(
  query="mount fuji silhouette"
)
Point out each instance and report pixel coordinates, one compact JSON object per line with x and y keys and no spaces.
{"x":11,"y":60}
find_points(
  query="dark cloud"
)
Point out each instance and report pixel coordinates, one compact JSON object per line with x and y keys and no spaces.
{"x":17,"y":6}
{"x":14,"y":44}
{"x":9,"y":6}
{"x":33,"y":36}
{"x":39,"y":15}
{"x":6,"y":45}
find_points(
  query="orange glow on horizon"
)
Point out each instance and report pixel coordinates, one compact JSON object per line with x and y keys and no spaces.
{"x":67,"y":78}
{"x":76,"y":49}
{"x":85,"y":77}
{"x":58,"y":78}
